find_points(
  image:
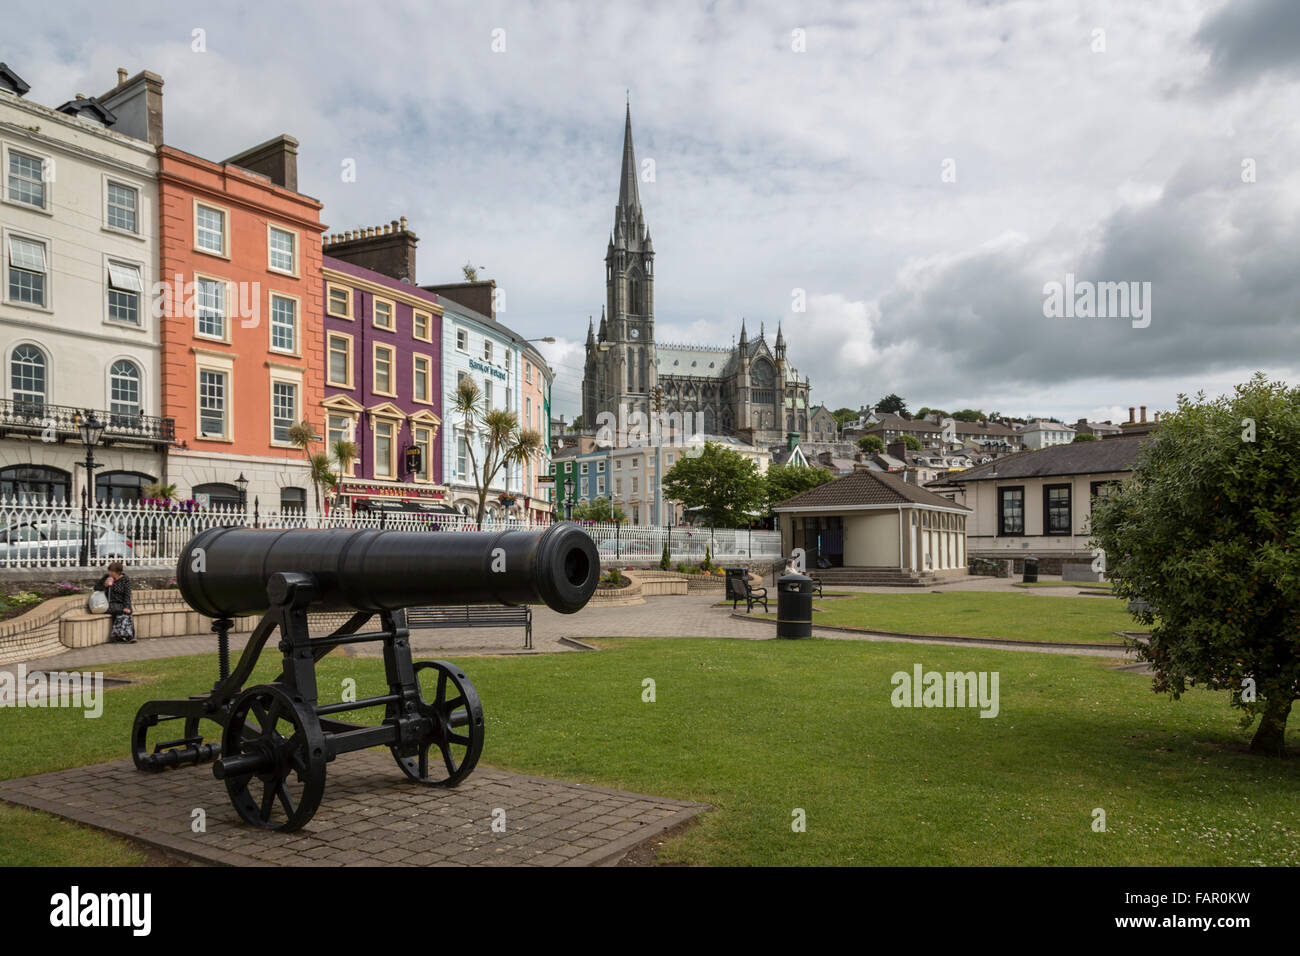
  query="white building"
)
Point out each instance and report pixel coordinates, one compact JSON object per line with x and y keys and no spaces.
{"x":635,"y":472}
{"x":478,"y":347}
{"x":1042,"y":434}
{"x":78,"y":255}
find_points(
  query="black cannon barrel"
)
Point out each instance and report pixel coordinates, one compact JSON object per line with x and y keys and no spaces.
{"x":223,"y":572}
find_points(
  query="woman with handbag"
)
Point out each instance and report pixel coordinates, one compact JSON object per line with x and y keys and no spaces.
{"x":118,"y":587}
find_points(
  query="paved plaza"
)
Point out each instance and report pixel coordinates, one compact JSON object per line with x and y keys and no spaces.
{"x":370,"y":815}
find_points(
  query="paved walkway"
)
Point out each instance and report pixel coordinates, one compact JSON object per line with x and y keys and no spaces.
{"x":691,"y":615}
{"x":370,"y":815}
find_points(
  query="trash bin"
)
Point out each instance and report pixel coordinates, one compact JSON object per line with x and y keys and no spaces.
{"x":1031,"y":570}
{"x":794,"y":594}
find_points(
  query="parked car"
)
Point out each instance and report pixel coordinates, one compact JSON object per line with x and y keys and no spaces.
{"x":58,"y":541}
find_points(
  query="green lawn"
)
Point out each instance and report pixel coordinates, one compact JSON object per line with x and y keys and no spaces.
{"x":1017,"y":617}
{"x":760,"y":728}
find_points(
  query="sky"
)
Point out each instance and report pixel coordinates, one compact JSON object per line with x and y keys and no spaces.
{"x":898,"y":183}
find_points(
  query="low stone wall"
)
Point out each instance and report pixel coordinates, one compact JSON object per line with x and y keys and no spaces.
{"x":1047,"y":564}
{"x":60,"y":623}
{"x":27,"y":579}
{"x":36,"y":633}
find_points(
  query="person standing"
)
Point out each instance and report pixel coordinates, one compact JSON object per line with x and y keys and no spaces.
{"x":118,"y":587}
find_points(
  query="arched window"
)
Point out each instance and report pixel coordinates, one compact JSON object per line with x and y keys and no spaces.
{"x":124,"y":392}
{"x":36,"y":484}
{"x":634,"y":293}
{"x":121,"y":485}
{"x":27,"y":381}
{"x":789,"y":422}
{"x":219,"y":495}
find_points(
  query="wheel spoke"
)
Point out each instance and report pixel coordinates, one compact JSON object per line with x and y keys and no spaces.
{"x":459,"y":739}
{"x":447,"y":758}
{"x":286,"y":800}
{"x":442,"y":689}
{"x":268,"y":800}
{"x":424,"y":761}
{"x":260,"y":712}
{"x":458,"y":702}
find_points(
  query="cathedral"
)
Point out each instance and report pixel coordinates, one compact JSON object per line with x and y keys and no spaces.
{"x":749,"y":391}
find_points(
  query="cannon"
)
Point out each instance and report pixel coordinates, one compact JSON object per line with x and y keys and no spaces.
{"x":276,"y":738}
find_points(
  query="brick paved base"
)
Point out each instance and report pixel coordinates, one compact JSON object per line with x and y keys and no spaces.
{"x":370,"y":815}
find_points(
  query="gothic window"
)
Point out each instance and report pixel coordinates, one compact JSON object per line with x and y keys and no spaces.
{"x":710,"y":421}
{"x":634,"y":294}
{"x":789,"y":423}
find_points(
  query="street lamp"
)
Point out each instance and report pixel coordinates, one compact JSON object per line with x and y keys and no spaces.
{"x":92,"y":429}
{"x":242,"y":484}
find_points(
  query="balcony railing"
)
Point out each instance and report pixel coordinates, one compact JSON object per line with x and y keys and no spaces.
{"x":41,"y":418}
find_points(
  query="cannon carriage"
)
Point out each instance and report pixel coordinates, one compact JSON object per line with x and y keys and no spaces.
{"x":277,"y":738}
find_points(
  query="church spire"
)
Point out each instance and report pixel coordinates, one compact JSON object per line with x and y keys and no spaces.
{"x":629,"y":200}
{"x":780,"y":341}
{"x":591,"y":335}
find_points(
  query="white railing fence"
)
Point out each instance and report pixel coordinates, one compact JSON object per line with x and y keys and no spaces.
{"x":49,"y":535}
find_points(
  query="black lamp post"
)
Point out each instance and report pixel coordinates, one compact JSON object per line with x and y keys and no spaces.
{"x":92,"y":429}
{"x":568,"y":504}
{"x":242,"y":483}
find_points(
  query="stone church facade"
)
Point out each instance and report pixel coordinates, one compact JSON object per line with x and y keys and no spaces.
{"x":750,"y":391}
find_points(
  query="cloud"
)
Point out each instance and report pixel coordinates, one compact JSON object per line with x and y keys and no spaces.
{"x":1250,"y":39}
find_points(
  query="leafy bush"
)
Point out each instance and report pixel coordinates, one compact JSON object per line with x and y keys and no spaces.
{"x":23,"y":598}
{"x":707,"y":564}
{"x":666,"y":561}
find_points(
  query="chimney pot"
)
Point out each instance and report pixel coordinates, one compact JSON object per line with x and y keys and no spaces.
{"x":81,"y":96}
{"x":403,"y":221}
{"x":1144,"y":413}
{"x":394,"y":225}
{"x":121,"y":75}
{"x":1131,"y":419}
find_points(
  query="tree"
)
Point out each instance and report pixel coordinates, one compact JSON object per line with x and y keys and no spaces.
{"x":722,"y":487}
{"x":504,"y":442}
{"x":893,"y":403}
{"x":843,"y":416}
{"x":1207,"y":533}
{"x":576,"y":424}
{"x":968,"y":415}
{"x":912,"y":443}
{"x":471,"y":272}
{"x":302,"y":435}
{"x":870,"y":443}
{"x":160,"y":490}
{"x":599,"y":509}
{"x":786,"y":481}
{"x":1083,"y":436}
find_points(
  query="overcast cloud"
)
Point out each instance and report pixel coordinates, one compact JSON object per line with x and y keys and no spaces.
{"x":779,"y":170}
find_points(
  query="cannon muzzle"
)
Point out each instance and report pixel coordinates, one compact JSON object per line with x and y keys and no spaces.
{"x":224,"y":572}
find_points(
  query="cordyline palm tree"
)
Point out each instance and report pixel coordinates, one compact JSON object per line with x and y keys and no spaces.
{"x":302,"y":435}
{"x":504,"y":443}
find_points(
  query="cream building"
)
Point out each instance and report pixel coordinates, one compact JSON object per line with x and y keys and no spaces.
{"x":876,"y":520}
{"x":78,"y":255}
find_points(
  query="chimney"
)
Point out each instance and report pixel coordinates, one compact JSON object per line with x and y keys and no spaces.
{"x":276,"y":158}
{"x":388,"y":250}
{"x":138,"y":105}
{"x":1144,"y":413}
{"x":897,"y":450}
{"x":1131,"y":419}
{"x":479,"y":296}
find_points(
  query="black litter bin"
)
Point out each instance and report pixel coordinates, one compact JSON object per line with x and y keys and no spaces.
{"x":794,"y":594}
{"x":1031,"y":571}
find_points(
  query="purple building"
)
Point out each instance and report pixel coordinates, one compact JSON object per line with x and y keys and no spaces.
{"x":383,"y":386}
